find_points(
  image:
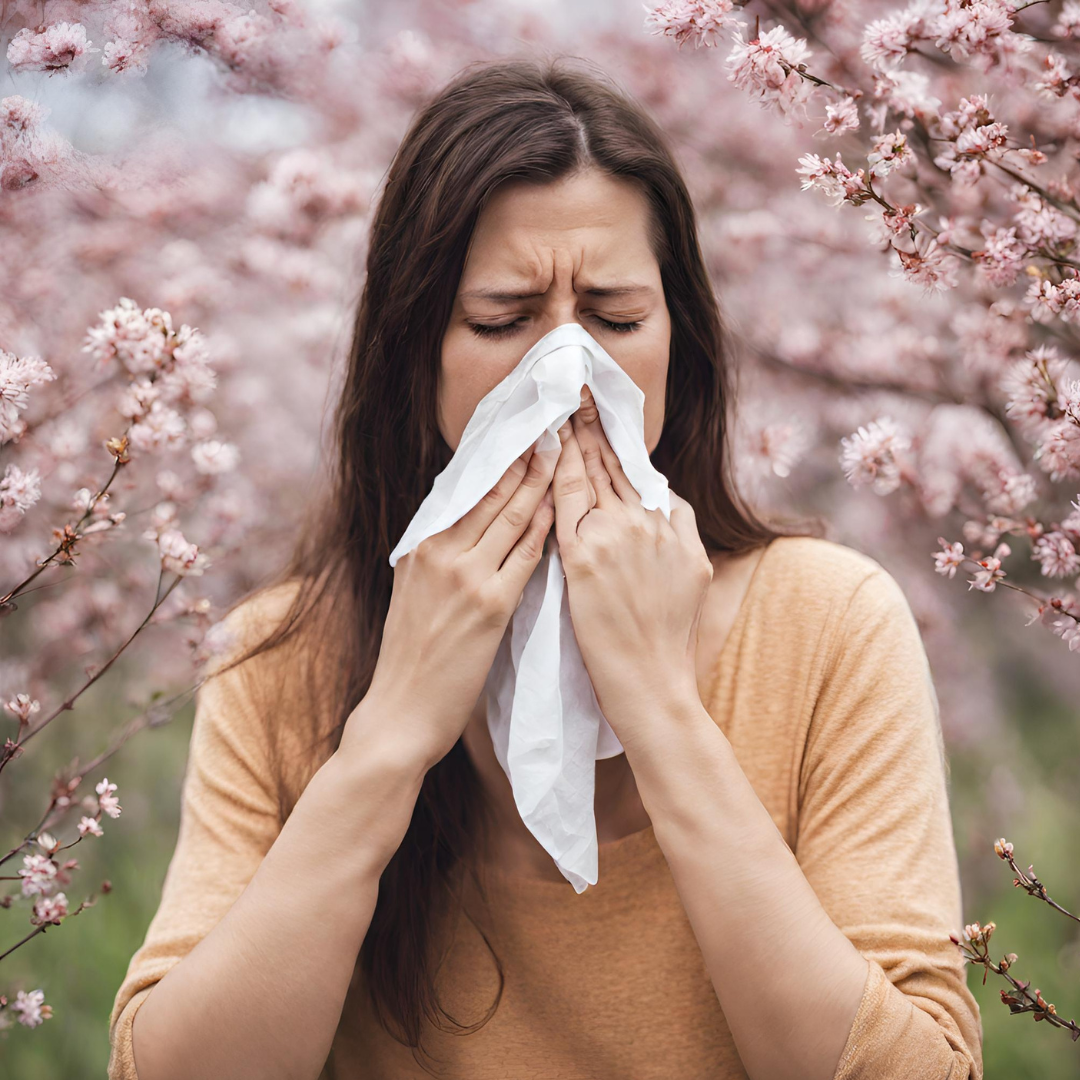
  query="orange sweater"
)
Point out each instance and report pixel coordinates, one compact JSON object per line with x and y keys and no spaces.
{"x":824,"y":690}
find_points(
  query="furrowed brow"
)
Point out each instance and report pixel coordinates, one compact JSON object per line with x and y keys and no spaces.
{"x":596,"y":290}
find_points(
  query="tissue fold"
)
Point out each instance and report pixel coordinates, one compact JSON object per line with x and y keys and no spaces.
{"x":542,"y":713}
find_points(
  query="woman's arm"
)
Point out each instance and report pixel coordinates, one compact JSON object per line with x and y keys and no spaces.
{"x":254,"y":915}
{"x":260,"y":996}
{"x":801,"y":947}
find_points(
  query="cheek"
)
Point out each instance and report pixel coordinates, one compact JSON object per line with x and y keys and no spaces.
{"x":649,"y":371}
{"x":466,"y":375}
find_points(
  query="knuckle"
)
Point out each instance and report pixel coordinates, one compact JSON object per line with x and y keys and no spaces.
{"x":427,"y":551}
{"x":570,"y":485}
{"x":490,"y":604}
{"x":460,"y":576}
{"x":537,"y":469}
{"x":531,"y":545}
{"x":514,"y":515}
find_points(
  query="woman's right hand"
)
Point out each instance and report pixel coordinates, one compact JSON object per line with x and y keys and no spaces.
{"x":453,"y":597}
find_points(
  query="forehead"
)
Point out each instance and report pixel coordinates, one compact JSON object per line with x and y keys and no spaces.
{"x":588,"y":226}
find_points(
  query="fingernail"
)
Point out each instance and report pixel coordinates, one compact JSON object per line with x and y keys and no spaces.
{"x":564,"y":431}
{"x":584,"y":394}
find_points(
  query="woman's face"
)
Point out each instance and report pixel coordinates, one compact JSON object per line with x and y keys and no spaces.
{"x":559,"y":247}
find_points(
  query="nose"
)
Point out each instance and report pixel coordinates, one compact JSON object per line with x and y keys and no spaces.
{"x":587,"y":413}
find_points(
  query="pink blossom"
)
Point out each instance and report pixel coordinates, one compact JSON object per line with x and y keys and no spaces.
{"x":178,"y":555}
{"x":212,"y":457}
{"x":1038,"y":223}
{"x":20,"y":115}
{"x":886,"y":42}
{"x":699,"y":21}
{"x":136,"y":338}
{"x":1068,"y":20}
{"x":935,"y":270}
{"x":303,"y":190}
{"x":89,"y":825}
{"x":1056,"y":554}
{"x":1030,"y":386}
{"x":55,"y":48}
{"x":982,"y":139}
{"x":127,"y":53}
{"x":138,"y":397}
{"x":766,"y":66}
{"x":38,"y":873}
{"x":1068,"y":631}
{"x":1014,"y":491}
{"x":1002,"y":256}
{"x":1047,"y":299}
{"x":971,"y":111}
{"x":833,"y":179}
{"x":1059,"y":453}
{"x":122,"y":56}
{"x":1072,"y":523}
{"x":987,"y":578}
{"x":889,"y":152}
{"x":773,"y":448}
{"x":49,"y":909}
{"x":161,"y":428}
{"x":30,"y":1009}
{"x":872,"y":455}
{"x":948,"y":560}
{"x":841,"y":116}
{"x":22,"y":707}
{"x":18,"y":376}
{"x":19,"y":490}
{"x":1057,"y":80}
{"x":906,"y":93}
{"x":977,"y":31}
{"x":107,"y":801}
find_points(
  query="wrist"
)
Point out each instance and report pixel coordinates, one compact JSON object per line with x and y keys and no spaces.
{"x":381,"y":730}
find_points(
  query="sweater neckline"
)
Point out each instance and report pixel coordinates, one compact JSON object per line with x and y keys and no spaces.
{"x":613,"y":854}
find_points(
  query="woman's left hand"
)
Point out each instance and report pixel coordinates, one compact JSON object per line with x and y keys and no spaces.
{"x":636,"y":582}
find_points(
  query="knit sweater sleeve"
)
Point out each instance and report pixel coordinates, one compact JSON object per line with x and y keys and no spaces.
{"x":875,"y":841}
{"x":228,"y":821}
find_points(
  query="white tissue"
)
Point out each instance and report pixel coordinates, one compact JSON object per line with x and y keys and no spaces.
{"x":545,"y":722}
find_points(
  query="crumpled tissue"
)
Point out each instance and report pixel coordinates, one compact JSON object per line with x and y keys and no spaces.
{"x":542,"y":712}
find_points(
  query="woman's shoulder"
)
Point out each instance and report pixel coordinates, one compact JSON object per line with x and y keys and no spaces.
{"x":250,"y":620}
{"x":814,"y":568}
{"x":826,"y":591}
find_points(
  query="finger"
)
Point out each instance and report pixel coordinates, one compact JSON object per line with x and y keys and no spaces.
{"x":620,"y":484}
{"x":586,"y":424}
{"x":468,"y":529}
{"x":570,"y":488}
{"x":684,"y":521}
{"x":513,"y":519}
{"x":514,"y":516}
{"x":524,"y":556}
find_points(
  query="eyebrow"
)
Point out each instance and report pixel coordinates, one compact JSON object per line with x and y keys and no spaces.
{"x":597,"y":290}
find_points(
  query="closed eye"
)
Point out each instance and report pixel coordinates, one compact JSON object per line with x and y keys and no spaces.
{"x":506,"y":329}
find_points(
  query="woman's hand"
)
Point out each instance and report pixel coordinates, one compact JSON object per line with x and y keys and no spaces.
{"x":452,"y":599}
{"x":636,"y":582}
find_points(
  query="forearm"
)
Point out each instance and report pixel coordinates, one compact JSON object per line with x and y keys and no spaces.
{"x":788,"y":980}
{"x":260,"y":996}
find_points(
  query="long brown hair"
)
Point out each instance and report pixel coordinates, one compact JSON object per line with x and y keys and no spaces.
{"x":537,"y":120}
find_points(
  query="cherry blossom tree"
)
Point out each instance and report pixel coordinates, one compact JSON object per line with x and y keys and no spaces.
{"x":887,"y":204}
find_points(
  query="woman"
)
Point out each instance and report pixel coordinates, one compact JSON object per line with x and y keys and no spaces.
{"x":353,"y":890}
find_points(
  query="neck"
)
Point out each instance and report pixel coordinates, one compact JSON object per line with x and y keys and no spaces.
{"x":617,"y":806}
